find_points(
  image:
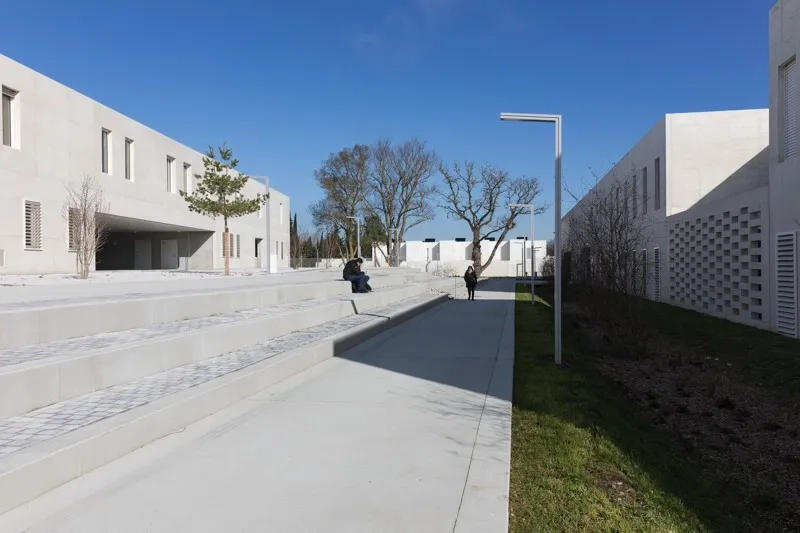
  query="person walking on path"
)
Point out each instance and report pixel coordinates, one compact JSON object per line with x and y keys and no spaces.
{"x":471,"y":279}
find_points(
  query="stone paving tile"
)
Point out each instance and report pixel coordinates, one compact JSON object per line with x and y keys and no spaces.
{"x":120,"y":297}
{"x":83,"y":345}
{"x":54,"y":420}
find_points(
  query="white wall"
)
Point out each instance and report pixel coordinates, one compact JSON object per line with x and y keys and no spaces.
{"x":426,"y":256}
{"x":58,"y":141}
{"x":784,"y":174}
{"x":279,"y":209}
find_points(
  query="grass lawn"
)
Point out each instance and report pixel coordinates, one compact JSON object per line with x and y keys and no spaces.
{"x":759,"y":356}
{"x":583,"y":460}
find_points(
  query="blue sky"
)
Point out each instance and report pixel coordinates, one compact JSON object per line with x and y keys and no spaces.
{"x":286,"y":83}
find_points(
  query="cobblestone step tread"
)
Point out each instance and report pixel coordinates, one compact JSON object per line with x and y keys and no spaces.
{"x":83,"y":345}
{"x":35,"y":304}
{"x":43,"y":424}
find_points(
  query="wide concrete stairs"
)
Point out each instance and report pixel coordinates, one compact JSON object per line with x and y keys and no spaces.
{"x":84,"y":382}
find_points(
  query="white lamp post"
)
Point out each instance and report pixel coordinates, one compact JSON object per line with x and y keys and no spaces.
{"x":525,"y":250}
{"x":358,"y":235}
{"x":556,"y":120}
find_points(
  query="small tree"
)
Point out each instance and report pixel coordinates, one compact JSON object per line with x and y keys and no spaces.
{"x":87,"y":232}
{"x":482,"y":199}
{"x":605,"y":234}
{"x":218,"y":193}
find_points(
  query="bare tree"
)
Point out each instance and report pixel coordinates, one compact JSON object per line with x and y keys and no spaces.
{"x":606,"y":242}
{"x":400,"y":190}
{"x":86,"y":231}
{"x":343,"y":178}
{"x":482,"y":199}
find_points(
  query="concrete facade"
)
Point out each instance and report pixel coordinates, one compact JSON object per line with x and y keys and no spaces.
{"x":784,"y":168}
{"x":455,"y":255}
{"x":54,"y":136}
{"x":709,"y":193}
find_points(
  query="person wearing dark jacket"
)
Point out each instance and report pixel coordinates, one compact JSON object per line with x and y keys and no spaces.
{"x":471,"y":279}
{"x":352,"y":272}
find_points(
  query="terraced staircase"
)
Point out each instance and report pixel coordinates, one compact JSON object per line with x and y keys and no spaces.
{"x":86,"y":381}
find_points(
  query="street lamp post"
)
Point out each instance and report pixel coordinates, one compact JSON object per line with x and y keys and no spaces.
{"x":525,"y":251}
{"x":358,"y":235}
{"x":556,"y":120}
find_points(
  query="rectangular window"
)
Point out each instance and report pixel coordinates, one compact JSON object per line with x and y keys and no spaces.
{"x":238,"y":246}
{"x":187,"y":178}
{"x":657,"y":184}
{"x":644,"y":191}
{"x":635,"y":196}
{"x":73,"y":229}
{"x":627,"y":200}
{"x":788,"y":111}
{"x":128,"y":159}
{"x":33,"y":225}
{"x":170,"y":165}
{"x":105,"y":157}
{"x":281,"y":250}
{"x":9,"y":118}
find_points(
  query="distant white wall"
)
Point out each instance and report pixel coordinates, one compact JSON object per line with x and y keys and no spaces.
{"x":430,"y":256}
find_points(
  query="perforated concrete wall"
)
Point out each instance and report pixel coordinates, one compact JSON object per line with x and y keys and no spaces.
{"x":719,"y":259}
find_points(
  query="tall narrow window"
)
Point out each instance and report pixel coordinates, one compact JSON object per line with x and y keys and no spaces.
{"x":128,"y":159}
{"x":657,"y":184}
{"x":105,"y":157}
{"x":187,"y":178}
{"x":644,"y":191}
{"x":33,"y":225}
{"x":281,"y":250}
{"x":635,"y":196}
{"x":9,"y":119}
{"x":788,"y":112}
{"x":627,"y":200}
{"x":238,"y":246}
{"x":170,"y":164}
{"x":644,"y":273}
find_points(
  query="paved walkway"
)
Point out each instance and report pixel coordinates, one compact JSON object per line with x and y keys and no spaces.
{"x":409,"y":432}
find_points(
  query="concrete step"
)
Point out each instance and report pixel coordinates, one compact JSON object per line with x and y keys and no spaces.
{"x":55,"y":444}
{"x":36,"y":376}
{"x":40,"y":322}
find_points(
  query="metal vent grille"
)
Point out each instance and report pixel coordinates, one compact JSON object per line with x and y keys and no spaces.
{"x":657,"y":274}
{"x":786,"y":283}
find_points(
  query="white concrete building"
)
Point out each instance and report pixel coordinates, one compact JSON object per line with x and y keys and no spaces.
{"x":456,"y":255}
{"x":784,"y":163}
{"x":52,"y":136}
{"x":700,"y":182}
{"x":731,"y":184}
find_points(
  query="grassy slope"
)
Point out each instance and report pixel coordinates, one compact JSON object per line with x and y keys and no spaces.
{"x":581,"y":458}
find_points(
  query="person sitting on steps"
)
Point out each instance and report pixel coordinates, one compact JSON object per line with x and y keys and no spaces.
{"x":352,"y":272}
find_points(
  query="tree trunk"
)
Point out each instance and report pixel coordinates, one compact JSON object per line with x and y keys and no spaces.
{"x":476,"y":255}
{"x":226,"y":246}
